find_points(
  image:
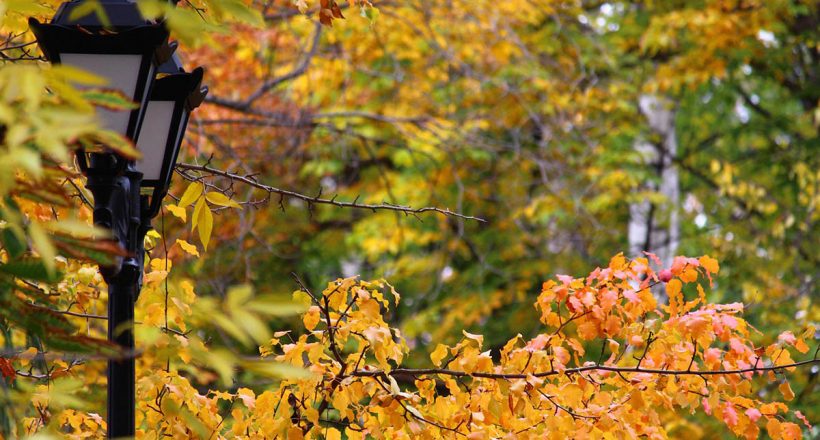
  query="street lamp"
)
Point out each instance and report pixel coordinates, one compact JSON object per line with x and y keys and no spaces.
{"x":134,"y":56}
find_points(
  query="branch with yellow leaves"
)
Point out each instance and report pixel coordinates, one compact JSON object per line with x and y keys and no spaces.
{"x":186,"y":170}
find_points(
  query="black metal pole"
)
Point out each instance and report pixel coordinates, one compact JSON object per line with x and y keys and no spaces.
{"x":121,"y":372}
{"x":119,"y":207}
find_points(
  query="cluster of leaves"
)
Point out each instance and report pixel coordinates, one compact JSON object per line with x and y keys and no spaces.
{"x":37,"y":191}
{"x":607,"y":363}
{"x":52,"y":298}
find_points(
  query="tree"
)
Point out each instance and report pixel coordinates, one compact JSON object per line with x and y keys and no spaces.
{"x":523,"y":116}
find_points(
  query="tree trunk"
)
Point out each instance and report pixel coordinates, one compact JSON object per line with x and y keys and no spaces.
{"x":654,"y":225}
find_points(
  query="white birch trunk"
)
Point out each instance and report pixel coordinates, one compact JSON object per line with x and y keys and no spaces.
{"x":655,"y":227}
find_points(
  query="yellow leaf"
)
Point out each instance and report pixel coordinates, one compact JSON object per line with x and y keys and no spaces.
{"x":295,"y":433}
{"x":333,"y":434}
{"x":191,"y":194}
{"x":206,"y":225}
{"x":312,"y":415}
{"x":178,"y":212}
{"x":160,"y":264}
{"x":791,"y":431}
{"x":801,"y":346}
{"x":786,"y":390}
{"x":438,"y":354}
{"x":155,"y":277}
{"x":221,"y":200}
{"x":673,"y":287}
{"x":188,"y":247}
{"x":773,"y":428}
{"x":709,"y":264}
{"x":341,"y":400}
{"x":247,"y":396}
{"x":200,"y":205}
{"x":153,"y":314}
{"x":478,"y":338}
{"x":311,"y":318}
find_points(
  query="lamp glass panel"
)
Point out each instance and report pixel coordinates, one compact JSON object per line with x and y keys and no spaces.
{"x":180,"y":131}
{"x":153,"y":139}
{"x":121,"y":73}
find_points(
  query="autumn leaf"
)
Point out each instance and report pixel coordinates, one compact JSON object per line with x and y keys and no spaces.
{"x":191,"y":194}
{"x":205,"y":222}
{"x":220,"y":199}
{"x":188,"y":247}
{"x":311,"y":318}
{"x":786,"y":390}
{"x":709,"y":264}
{"x":439,"y":354}
{"x":178,"y":212}
{"x":6,"y":369}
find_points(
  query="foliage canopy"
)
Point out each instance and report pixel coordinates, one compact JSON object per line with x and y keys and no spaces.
{"x":462,"y":150}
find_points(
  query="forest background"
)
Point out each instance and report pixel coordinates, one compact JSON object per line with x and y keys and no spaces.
{"x":545,"y":137}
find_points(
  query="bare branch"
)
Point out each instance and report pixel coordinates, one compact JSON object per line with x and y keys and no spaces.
{"x":407,"y":210}
{"x":299,"y":70}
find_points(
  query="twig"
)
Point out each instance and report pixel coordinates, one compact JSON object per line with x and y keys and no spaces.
{"x":317,"y":199}
{"x":596,"y":367}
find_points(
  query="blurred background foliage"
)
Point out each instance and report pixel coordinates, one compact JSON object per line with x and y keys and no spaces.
{"x":577,"y":130}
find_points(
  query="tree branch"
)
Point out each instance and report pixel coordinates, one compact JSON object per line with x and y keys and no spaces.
{"x":596,"y":367}
{"x":296,"y":72}
{"x":407,"y":210}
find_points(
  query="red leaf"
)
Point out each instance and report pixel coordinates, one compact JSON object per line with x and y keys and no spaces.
{"x":6,"y":369}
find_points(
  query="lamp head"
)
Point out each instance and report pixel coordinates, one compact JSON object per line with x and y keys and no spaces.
{"x":126,"y":53}
{"x":176,"y":93}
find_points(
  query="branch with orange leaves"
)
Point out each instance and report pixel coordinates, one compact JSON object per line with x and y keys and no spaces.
{"x":185,"y":170}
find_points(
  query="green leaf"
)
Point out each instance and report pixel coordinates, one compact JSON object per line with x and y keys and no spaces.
{"x":12,"y":243}
{"x":274,"y":306}
{"x":76,"y":75}
{"x":277,"y":370}
{"x":239,"y":11}
{"x":237,"y":296}
{"x":153,"y":9}
{"x":103,"y":252}
{"x":252,"y":325}
{"x":30,"y":269}
{"x":221,"y":361}
{"x":111,"y":140}
{"x":189,"y":27}
{"x":27,"y":7}
{"x":43,"y":245}
{"x":230,"y":327}
{"x":77,"y":229}
{"x":87,"y":7}
{"x":110,"y":99}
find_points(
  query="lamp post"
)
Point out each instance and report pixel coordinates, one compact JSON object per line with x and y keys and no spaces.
{"x":134,"y":55}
